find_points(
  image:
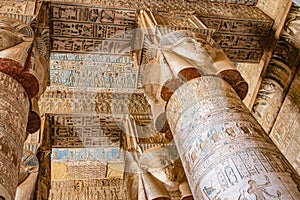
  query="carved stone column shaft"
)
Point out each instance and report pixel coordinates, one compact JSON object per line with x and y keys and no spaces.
{"x":14,"y":110}
{"x":279,"y":73}
{"x":224,"y":151}
{"x":275,"y":84}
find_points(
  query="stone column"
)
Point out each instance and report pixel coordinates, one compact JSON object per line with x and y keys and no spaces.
{"x":21,"y":79}
{"x":225,"y":152}
{"x":279,"y":73}
{"x":14,"y":110}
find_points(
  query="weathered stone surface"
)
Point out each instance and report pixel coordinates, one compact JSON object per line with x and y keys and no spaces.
{"x":223,"y":149}
{"x":106,"y":72}
{"x":14,"y":109}
{"x":285,"y":132}
{"x":89,"y":189}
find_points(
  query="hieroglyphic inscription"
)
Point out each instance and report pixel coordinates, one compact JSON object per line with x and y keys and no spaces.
{"x":176,"y":20}
{"x":91,"y":29}
{"x":85,"y":130}
{"x":249,"y":27}
{"x":79,"y":170}
{"x":26,"y":7}
{"x":90,"y":45}
{"x":242,"y":55}
{"x":242,"y":40}
{"x":272,"y":100}
{"x":222,"y":147}
{"x":102,"y":15}
{"x":104,"y":154}
{"x":106,"y":189}
{"x":271,"y":93}
{"x":14,"y":108}
{"x":86,"y":163}
{"x":95,"y":34}
{"x":95,"y":31}
{"x":94,"y":71}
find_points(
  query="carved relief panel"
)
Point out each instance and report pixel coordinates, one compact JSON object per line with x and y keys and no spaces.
{"x":109,"y":72}
{"x":91,"y":29}
{"x":241,"y":39}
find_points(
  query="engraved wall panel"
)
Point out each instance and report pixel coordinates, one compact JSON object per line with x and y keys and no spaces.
{"x":241,"y":39}
{"x":26,"y":7}
{"x":90,"y":45}
{"x":106,"y":189}
{"x":227,"y":25}
{"x":86,"y":163}
{"x":109,"y":72}
{"x":79,"y":130}
{"x":225,"y":152}
{"x":91,"y":29}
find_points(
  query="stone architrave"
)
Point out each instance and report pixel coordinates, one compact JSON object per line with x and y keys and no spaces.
{"x":225,"y":152}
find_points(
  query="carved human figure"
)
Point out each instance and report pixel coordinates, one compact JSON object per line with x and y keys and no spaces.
{"x":260,"y":191}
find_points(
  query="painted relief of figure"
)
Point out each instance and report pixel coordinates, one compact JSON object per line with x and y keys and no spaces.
{"x":71,"y":79}
{"x":110,"y":80}
{"x":101,"y":80}
{"x":78,"y":188}
{"x":260,"y":191}
{"x":117,"y":84}
{"x":56,"y":78}
{"x":96,"y":77}
{"x":211,"y":192}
